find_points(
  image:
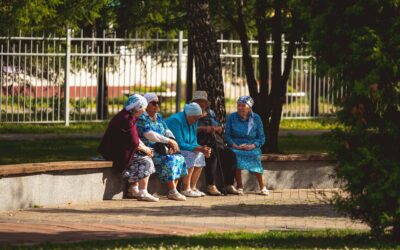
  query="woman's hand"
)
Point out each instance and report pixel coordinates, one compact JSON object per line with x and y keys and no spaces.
{"x":244,"y":146}
{"x":148,"y":151}
{"x":173,"y":146}
{"x":248,"y":146}
{"x":236,"y":146}
{"x":218,"y":129}
{"x":205,"y":150}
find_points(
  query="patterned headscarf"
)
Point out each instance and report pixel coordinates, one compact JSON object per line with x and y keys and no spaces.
{"x":135,"y":102}
{"x":192,"y":109}
{"x":150,"y":97}
{"x":246,"y":100}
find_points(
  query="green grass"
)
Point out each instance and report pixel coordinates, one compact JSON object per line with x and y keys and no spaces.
{"x":308,"y":124}
{"x":302,"y":144}
{"x":13,"y":152}
{"x":59,"y":128}
{"x":99,"y":127}
{"x":321,"y":239}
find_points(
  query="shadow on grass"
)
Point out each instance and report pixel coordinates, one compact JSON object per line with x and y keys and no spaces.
{"x":293,"y":210}
{"x":271,"y":240}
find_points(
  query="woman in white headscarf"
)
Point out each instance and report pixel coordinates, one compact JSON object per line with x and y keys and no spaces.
{"x":184,"y":126}
{"x":244,"y":134}
{"x":154,"y":132}
{"x":121,"y":144}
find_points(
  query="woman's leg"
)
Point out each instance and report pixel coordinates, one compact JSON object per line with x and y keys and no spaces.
{"x":210,"y":169}
{"x":238,"y":176}
{"x":143,"y":183}
{"x":228,"y":165}
{"x":171,"y":185}
{"x":195,"y":177}
{"x":187,"y":179}
{"x":260,"y":180}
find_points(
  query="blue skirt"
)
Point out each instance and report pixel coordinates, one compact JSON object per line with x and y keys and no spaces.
{"x":249,"y":160}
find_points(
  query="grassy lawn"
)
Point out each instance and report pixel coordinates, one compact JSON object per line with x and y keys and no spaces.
{"x":13,"y":152}
{"x":99,"y":127}
{"x":302,"y":144}
{"x":58,"y":128}
{"x":308,"y":124}
{"x":328,"y":239}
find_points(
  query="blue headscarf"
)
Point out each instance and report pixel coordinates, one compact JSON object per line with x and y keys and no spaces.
{"x":246,"y":100}
{"x":192,"y":109}
{"x":135,"y":102}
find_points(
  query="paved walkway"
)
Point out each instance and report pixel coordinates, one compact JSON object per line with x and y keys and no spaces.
{"x":282,"y":210}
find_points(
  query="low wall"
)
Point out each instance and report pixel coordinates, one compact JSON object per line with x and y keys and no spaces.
{"x":41,"y":184}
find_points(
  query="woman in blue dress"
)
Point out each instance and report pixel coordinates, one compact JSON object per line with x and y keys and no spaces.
{"x":244,"y":134}
{"x":152,"y":129}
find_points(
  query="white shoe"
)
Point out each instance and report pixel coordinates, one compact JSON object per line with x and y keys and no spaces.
{"x":231,"y":190}
{"x":263,"y":191}
{"x":147,"y":197}
{"x":132,"y":193}
{"x":240,"y":191}
{"x":190,"y":193}
{"x":199,"y":192}
{"x":176,"y":196}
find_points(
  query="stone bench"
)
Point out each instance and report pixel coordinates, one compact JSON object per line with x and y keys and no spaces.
{"x":38,"y":184}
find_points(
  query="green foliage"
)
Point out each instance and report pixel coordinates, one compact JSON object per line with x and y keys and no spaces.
{"x":48,"y":16}
{"x":319,"y":239}
{"x":359,"y":40}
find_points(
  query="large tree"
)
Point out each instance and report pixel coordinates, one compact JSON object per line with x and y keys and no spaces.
{"x":359,"y":42}
{"x":260,"y":17}
{"x":203,"y":41}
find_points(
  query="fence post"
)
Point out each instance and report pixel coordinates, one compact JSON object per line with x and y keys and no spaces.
{"x":178,"y":73}
{"x":66,"y":81}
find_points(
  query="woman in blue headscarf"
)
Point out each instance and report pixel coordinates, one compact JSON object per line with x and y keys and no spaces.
{"x":184,"y":126}
{"x":121,"y":144}
{"x":244,"y":134}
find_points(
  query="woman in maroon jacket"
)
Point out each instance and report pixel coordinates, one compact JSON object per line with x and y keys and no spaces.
{"x":121,"y":144}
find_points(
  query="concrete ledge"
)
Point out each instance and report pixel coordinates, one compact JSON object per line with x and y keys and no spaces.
{"x":32,"y":168}
{"x":39,"y":184}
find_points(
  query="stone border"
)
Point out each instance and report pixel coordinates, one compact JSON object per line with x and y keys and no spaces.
{"x":33,"y":168}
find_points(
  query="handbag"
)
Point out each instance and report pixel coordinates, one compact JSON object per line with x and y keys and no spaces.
{"x":161,"y":148}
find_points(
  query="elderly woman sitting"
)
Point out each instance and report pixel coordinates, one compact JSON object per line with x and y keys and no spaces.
{"x":209,"y":133}
{"x":184,"y":126}
{"x":152,"y":130}
{"x":121,"y":144}
{"x":244,"y":134}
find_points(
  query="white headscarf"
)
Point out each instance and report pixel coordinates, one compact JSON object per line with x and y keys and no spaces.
{"x":135,"y":102}
{"x":151,"y":97}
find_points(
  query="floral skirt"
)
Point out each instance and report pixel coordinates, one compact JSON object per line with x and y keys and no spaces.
{"x":139,"y":168}
{"x":170,"y":167}
{"x":194,"y":159}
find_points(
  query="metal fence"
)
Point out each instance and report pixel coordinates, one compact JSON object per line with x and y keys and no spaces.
{"x":59,"y":79}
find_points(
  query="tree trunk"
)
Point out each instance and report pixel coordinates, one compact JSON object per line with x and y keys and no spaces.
{"x":262,"y":105}
{"x":274,"y":110}
{"x":102,"y":91}
{"x":206,"y":55}
{"x":189,"y":71}
{"x":102,"y":87}
{"x":247,"y":60}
